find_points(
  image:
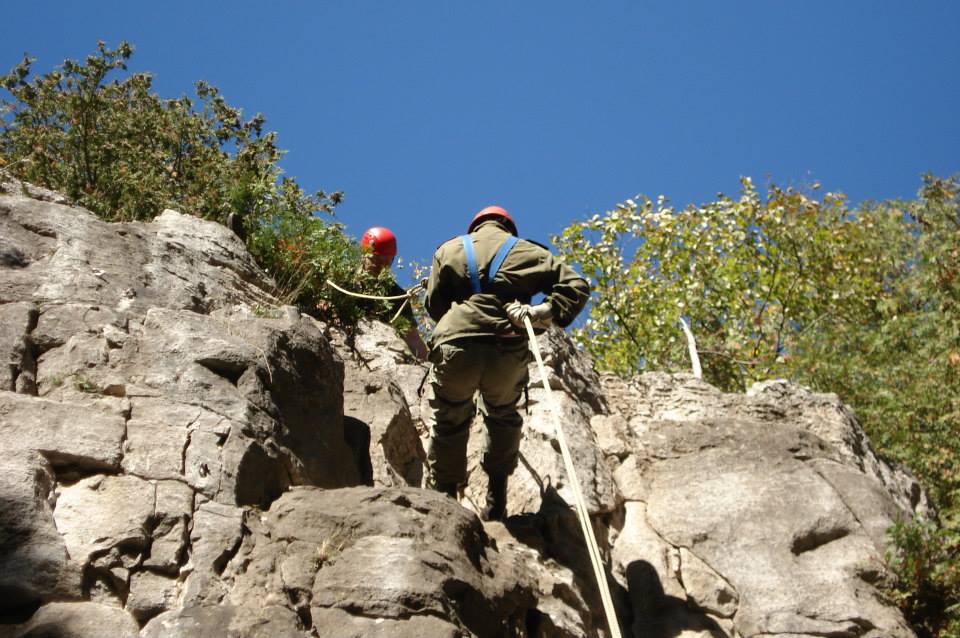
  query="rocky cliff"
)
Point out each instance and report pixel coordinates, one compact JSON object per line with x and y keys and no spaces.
{"x":182,"y":457}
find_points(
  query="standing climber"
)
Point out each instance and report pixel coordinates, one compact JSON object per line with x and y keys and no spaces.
{"x":479,"y":292}
{"x":378,"y":248}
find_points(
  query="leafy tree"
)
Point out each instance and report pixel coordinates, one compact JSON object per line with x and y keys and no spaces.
{"x":750,"y":275}
{"x":118,"y":149}
{"x":863,"y":302}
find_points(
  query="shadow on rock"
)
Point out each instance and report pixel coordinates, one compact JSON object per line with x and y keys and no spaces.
{"x":357,"y":435}
{"x":657,"y":615}
{"x":554,"y":532}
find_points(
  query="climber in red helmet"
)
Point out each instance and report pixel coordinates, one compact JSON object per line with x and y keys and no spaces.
{"x":378,"y":248}
{"x":479,"y":292}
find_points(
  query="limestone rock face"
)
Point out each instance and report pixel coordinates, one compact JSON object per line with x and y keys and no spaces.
{"x":79,"y":620}
{"x":182,"y":457}
{"x":381,"y":404}
{"x":150,"y":379}
{"x":175,"y":261}
{"x":763,"y":512}
{"x":409,"y":556}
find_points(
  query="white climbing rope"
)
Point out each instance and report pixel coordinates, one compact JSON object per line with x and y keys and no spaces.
{"x":405,"y":303}
{"x":692,"y":347}
{"x":406,"y":297}
{"x":581,"y":505}
{"x":375,"y":297}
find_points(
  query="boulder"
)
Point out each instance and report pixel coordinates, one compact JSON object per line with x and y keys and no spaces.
{"x":78,"y":620}
{"x":214,"y":540}
{"x":81,"y":437}
{"x":409,"y":556}
{"x":225,"y":621}
{"x":33,"y":555}
{"x":751,"y":511}
{"x":104,"y":513}
{"x":151,"y":594}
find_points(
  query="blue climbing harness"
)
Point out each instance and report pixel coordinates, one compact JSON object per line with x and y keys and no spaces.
{"x":494,"y":265}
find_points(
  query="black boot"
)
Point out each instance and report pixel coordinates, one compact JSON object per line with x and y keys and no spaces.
{"x":450,"y":489}
{"x":496,"y":508}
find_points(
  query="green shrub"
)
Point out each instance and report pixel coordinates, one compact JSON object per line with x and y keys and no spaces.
{"x":924,"y":562}
{"x":101,"y":136}
{"x":303,"y":252}
{"x":864,"y":302}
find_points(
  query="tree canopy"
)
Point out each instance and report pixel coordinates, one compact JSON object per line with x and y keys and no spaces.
{"x":862,"y":301}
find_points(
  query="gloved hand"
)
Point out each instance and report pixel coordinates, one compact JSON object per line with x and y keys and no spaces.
{"x":420,"y":286}
{"x":541,"y":316}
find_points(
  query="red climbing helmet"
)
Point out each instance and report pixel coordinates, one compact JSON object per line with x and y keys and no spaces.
{"x":379,"y":241}
{"x":493,"y":212}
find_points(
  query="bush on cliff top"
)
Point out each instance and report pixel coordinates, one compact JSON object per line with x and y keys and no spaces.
{"x":101,"y":136}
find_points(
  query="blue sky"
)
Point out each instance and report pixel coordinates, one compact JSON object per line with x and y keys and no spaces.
{"x":424,"y":112}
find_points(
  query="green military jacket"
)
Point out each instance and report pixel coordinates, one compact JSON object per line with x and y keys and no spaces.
{"x":528,"y":269}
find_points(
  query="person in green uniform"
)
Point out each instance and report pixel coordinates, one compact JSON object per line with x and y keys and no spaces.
{"x":479,"y":291}
{"x":378,"y":248}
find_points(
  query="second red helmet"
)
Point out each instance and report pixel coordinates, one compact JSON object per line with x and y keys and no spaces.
{"x":379,"y":241}
{"x":493,"y":212}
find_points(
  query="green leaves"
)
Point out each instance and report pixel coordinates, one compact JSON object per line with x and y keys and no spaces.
{"x":731,"y":266}
{"x":99,"y":134}
{"x":862,"y":302}
{"x":120,"y":150}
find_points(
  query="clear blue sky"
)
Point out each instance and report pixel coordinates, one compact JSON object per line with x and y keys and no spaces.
{"x":424,"y":112}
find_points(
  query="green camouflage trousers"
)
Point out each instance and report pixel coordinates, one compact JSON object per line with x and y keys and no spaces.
{"x":496,"y":367}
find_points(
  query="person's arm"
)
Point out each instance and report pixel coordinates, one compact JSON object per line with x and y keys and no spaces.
{"x":416,"y":344}
{"x":437,"y":300}
{"x":412,"y":335}
{"x":567,"y":292}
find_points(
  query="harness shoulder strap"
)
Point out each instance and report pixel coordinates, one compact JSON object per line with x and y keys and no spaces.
{"x":502,"y":252}
{"x":500,"y":256}
{"x":471,"y":262}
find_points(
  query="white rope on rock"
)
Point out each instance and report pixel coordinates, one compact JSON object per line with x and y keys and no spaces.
{"x":579,"y":501}
{"x":406,"y":297}
{"x":692,"y":347}
{"x":374,"y":297}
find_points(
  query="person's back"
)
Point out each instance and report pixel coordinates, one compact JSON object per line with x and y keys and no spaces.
{"x":528,"y":269}
{"x":478,"y":343}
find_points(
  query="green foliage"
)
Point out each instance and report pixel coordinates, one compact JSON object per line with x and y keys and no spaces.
{"x":83,"y":384}
{"x":863,"y":302}
{"x":120,"y":150}
{"x":117,"y":148}
{"x":747,"y":274}
{"x":924,"y":561}
{"x":303,"y":252}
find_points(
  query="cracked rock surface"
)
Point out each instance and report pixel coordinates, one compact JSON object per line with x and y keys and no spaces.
{"x":182,"y":457}
{"x":764,"y":512}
